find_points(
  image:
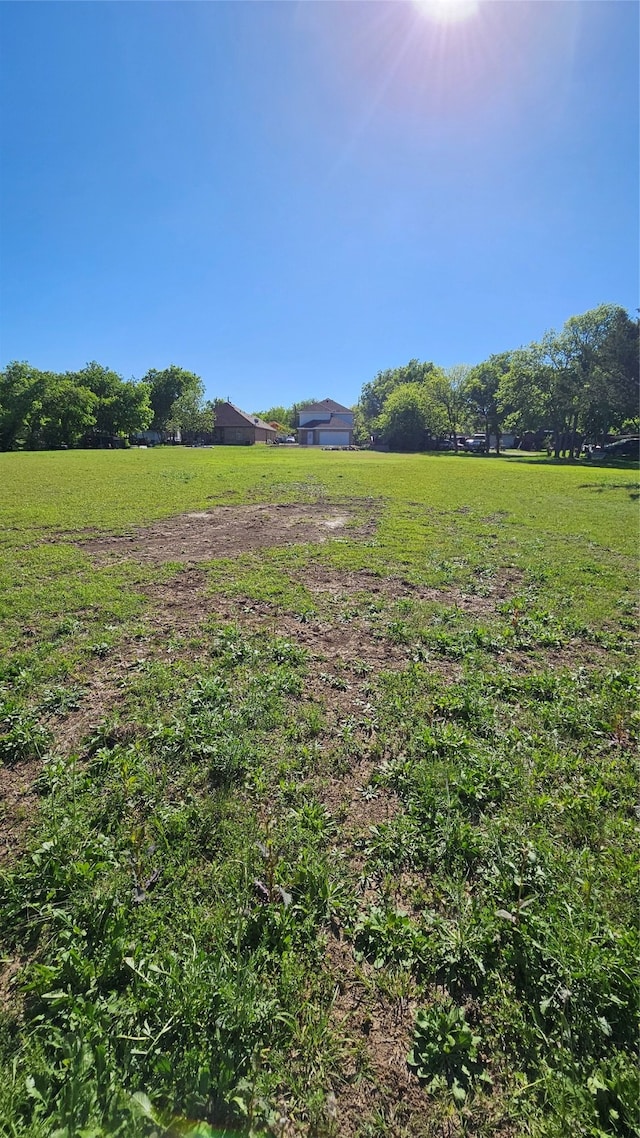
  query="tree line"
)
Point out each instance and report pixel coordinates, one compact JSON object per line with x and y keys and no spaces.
{"x":43,"y":410}
{"x":581,"y":382}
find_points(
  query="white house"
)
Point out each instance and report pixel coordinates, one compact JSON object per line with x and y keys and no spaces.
{"x":325,"y":424}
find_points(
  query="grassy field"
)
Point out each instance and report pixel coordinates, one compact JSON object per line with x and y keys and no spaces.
{"x":318,"y":794}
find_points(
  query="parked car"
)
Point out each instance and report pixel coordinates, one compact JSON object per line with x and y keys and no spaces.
{"x":439,"y":444}
{"x":623,"y":448}
{"x":477,"y":444}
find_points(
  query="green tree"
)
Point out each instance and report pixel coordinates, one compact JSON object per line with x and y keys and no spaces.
{"x":449,"y":388}
{"x":361,"y":433}
{"x":134,"y":412}
{"x":21,"y":390}
{"x":573,"y":378}
{"x":375,"y":394}
{"x":295,"y":409}
{"x":614,"y":396}
{"x":410,"y":415}
{"x":483,"y":395}
{"x":286,"y":417}
{"x":192,"y":417}
{"x":66,"y":411}
{"x":174,"y":395}
{"x":283,"y":416}
{"x":188,"y":412}
{"x":122,"y":405}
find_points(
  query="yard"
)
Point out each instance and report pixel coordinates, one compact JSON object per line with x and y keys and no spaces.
{"x":318,"y":794}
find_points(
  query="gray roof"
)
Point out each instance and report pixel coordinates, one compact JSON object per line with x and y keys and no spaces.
{"x":333,"y":423}
{"x":323,"y":405}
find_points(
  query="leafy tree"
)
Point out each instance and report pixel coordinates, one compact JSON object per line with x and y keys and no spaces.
{"x":132,"y":411}
{"x":174,"y":396}
{"x":375,"y":394}
{"x":483,"y":395}
{"x":283,"y":416}
{"x":21,"y":388}
{"x":296,"y":408}
{"x":614,"y":397}
{"x":449,"y":389}
{"x":361,"y":433}
{"x":524,"y":388}
{"x":410,"y":415}
{"x":188,"y":412}
{"x":575,"y":355}
{"x":192,"y":417}
{"x":66,"y":411}
{"x":542,"y":392}
{"x":44,"y":409}
{"x":122,"y":405}
{"x":573,"y":378}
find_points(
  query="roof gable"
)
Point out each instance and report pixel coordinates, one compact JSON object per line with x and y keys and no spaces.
{"x":333,"y":423}
{"x":228,"y":415}
{"x":323,"y":405}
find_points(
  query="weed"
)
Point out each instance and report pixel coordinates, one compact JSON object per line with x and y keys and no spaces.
{"x":446,"y":1052}
{"x":60,"y":700}
{"x":22,"y":736}
{"x":388,"y":937}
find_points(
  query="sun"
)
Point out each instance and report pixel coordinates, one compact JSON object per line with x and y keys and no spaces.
{"x":447,"y":11}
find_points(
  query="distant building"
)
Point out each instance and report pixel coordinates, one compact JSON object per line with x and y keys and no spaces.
{"x":325,"y":424}
{"x":154,"y":438}
{"x":233,"y":427}
{"x":507,"y":441}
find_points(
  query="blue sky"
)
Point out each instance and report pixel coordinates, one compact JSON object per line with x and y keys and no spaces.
{"x":288,"y":197}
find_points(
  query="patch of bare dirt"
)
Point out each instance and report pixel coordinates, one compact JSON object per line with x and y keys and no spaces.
{"x":223,"y":531}
{"x":103,"y":691}
{"x":9,"y":972}
{"x":379,"y":1030}
{"x":344,"y":654}
{"x":579,"y":655}
{"x":350,"y":644}
{"x":177,"y":607}
{"x":358,"y":805}
{"x":180,"y":604}
{"x":334,"y":585}
{"x":365,"y":806}
{"x":376,"y":1028}
{"x":18,"y":803}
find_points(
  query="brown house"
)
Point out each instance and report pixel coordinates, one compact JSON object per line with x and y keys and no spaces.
{"x":234,"y":427}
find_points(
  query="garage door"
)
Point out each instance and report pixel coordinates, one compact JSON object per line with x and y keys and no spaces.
{"x":334,"y":438}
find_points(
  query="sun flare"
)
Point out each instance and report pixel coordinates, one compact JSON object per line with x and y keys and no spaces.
{"x":447,"y":11}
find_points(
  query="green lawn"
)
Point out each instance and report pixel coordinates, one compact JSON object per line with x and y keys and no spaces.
{"x":334,"y":837}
